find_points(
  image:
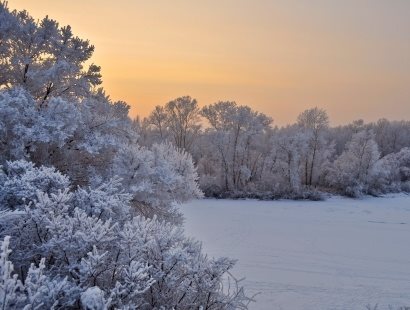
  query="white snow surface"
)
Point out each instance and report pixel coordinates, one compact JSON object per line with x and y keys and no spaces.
{"x":335,"y":254}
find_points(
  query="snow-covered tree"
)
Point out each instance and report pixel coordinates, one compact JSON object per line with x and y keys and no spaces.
{"x":159,"y":121}
{"x":157,"y":178}
{"x":44,"y":58}
{"x":81,"y":131}
{"x":314,"y":124}
{"x":26,"y":129}
{"x":289,"y":146}
{"x":183,"y":121}
{"x":354,"y":170}
{"x":234,"y":138}
{"x":62,"y":132}
{"x":394,"y":172}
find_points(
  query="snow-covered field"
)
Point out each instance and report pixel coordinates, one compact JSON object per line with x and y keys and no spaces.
{"x":334,"y":254}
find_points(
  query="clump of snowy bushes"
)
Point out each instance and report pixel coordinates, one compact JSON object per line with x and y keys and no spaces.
{"x":89,"y":247}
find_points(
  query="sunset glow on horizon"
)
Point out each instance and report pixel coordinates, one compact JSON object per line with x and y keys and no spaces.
{"x":351,"y":58}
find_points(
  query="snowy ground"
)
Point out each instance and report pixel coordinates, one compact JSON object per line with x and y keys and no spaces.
{"x":335,"y":254}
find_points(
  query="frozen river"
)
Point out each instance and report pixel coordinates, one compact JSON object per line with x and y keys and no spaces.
{"x":334,"y":254}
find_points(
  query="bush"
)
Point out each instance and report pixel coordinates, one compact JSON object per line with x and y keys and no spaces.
{"x":89,"y":241}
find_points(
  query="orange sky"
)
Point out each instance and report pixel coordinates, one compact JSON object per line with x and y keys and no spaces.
{"x":350,"y":57}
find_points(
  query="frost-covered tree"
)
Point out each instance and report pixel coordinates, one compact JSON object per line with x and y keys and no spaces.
{"x":391,"y":136}
{"x":44,"y":58}
{"x":183,"y":121}
{"x":341,"y":135}
{"x":20,"y":181}
{"x":157,"y":178}
{"x":394,"y":172}
{"x":177,"y":122}
{"x":80,"y":131}
{"x":234,"y":138}
{"x":25,"y":129}
{"x":239,"y":153}
{"x":314,"y":124}
{"x":289,"y":145}
{"x":159,"y":121}
{"x":75,"y":137}
{"x":355,"y":169}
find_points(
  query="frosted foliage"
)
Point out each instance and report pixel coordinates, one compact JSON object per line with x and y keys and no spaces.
{"x":10,"y":286}
{"x":314,"y":124}
{"x":239,"y":153}
{"x":105,"y":124}
{"x":39,"y":291}
{"x":105,"y":201}
{"x":393,"y":171}
{"x":101,"y":257}
{"x":22,"y":180}
{"x":157,"y":178}
{"x":61,"y":131}
{"x":23,"y":125}
{"x":182,"y":116}
{"x":97,"y":136}
{"x":234,"y":144}
{"x":290,"y":145}
{"x":43,"y":57}
{"x":354,"y":170}
{"x":90,"y":134}
{"x":93,"y":299}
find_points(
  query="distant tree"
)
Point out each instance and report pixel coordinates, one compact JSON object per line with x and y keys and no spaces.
{"x":289,"y":144}
{"x":354,"y":170}
{"x":314,"y":123}
{"x":160,"y":120}
{"x":341,"y":135}
{"x":394,"y":172}
{"x":182,"y":119}
{"x":391,"y":136}
{"x":234,"y":134}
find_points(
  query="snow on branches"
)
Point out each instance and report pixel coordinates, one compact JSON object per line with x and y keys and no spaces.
{"x":100,"y":256}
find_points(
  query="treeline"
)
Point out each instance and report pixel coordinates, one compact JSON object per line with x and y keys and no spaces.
{"x":87,"y":215}
{"x":239,"y":153}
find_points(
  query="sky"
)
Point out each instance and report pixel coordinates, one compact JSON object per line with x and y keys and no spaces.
{"x":280,"y":57}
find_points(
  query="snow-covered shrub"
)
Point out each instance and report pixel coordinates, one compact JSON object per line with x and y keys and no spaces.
{"x":131,"y":261}
{"x":39,"y":291}
{"x":93,"y":299}
{"x":21,"y":180}
{"x":106,"y":200}
{"x":157,"y":178}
